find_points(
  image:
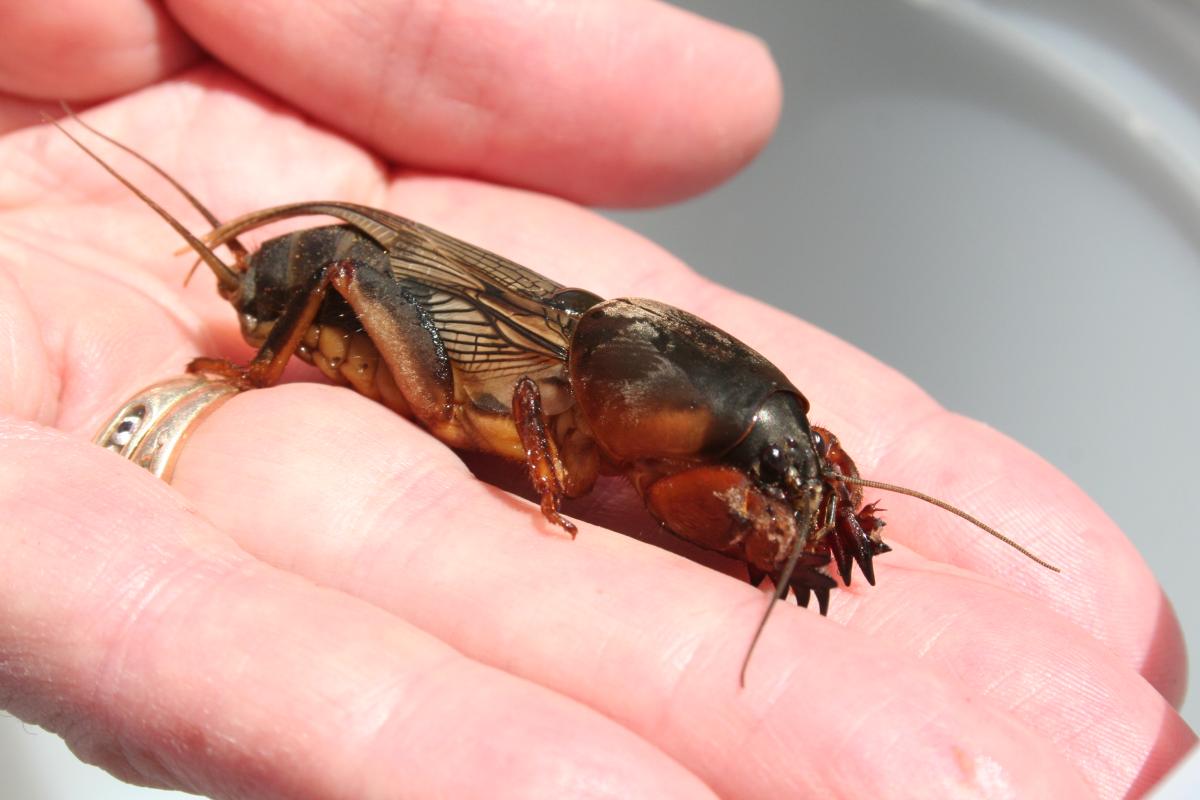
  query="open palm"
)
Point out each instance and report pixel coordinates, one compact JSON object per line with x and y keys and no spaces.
{"x":328,"y":603}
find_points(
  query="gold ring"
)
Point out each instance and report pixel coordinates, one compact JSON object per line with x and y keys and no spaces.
{"x":152,"y":426}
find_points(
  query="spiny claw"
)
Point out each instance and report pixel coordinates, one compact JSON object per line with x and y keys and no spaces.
{"x":864,"y":563}
{"x":822,"y":600}
{"x":841,"y":556}
{"x":863,"y":525}
{"x":862,"y":544}
{"x":808,"y":580}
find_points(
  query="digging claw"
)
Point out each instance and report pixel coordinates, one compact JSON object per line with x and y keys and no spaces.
{"x":822,"y":600}
{"x":808,"y":579}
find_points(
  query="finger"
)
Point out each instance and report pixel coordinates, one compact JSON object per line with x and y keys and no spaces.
{"x":79,"y":50}
{"x":624,"y":102}
{"x":166,"y":655}
{"x":370,"y":505}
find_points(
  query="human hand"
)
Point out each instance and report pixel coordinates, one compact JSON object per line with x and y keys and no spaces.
{"x":327,"y":603}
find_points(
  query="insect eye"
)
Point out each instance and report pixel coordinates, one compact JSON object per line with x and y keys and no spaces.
{"x":772,"y":462}
{"x":819,"y":443}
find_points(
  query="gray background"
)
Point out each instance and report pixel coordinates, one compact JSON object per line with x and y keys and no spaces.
{"x":1000,"y":199}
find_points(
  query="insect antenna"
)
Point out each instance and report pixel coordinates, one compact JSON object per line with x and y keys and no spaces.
{"x":229,"y":279}
{"x":942,"y":504}
{"x":798,"y":552}
{"x":233,"y":244}
{"x":781,"y":588}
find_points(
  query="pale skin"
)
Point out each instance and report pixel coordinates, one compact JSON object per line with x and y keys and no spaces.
{"x":328,"y":603}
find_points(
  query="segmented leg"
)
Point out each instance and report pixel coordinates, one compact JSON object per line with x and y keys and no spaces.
{"x":541,"y":453}
{"x":414,"y":358}
{"x":267,"y":365}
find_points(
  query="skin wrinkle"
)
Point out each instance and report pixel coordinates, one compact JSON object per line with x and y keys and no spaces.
{"x":77,"y":383}
{"x":193,"y":95}
{"x":48,"y":403}
{"x":195,"y":115}
{"x":399,"y":719}
{"x":403,"y":711}
{"x":843,"y":746}
{"x":873,"y":464}
{"x":843,"y":749}
{"x":53,"y":357}
{"x":407,"y":493}
{"x":668,"y":718}
{"x":145,"y":607}
{"x":134,"y":283}
{"x":443,"y":523}
{"x":478,"y":108}
{"x":943,"y":624}
{"x":383,"y":709}
{"x":1033,"y":695}
{"x":32,"y":169}
{"x":747,"y":743}
{"x":88,"y":703}
{"x":158,"y":609}
{"x":1053,"y":686}
{"x":173,"y":623}
{"x":846,"y":736}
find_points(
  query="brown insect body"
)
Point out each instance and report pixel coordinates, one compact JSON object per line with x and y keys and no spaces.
{"x":491,"y":356}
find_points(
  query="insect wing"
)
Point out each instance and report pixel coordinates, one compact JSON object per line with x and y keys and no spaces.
{"x":493,"y":315}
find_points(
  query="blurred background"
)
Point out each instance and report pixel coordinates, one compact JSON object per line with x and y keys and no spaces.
{"x":1000,"y":199}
